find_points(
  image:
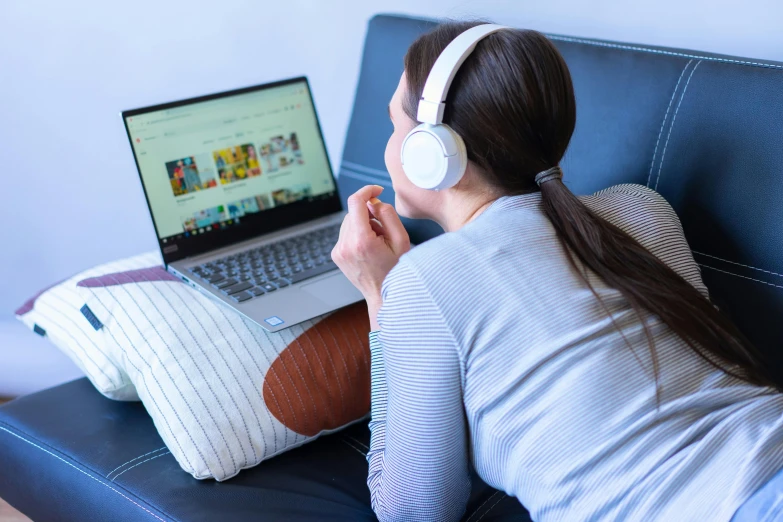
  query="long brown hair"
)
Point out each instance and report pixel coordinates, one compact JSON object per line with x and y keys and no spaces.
{"x":512,"y":101}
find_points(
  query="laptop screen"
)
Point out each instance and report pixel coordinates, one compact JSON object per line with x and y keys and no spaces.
{"x":228,"y":167}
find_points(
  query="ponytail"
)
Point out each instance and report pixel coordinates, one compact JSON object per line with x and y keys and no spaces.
{"x":647,"y":283}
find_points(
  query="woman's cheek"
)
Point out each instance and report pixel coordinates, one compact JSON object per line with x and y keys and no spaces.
{"x":392,"y":156}
{"x":395,"y":169}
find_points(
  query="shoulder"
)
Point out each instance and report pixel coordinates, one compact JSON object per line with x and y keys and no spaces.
{"x":399,"y":277}
{"x":631,"y":189}
{"x":407,"y":273}
{"x":635,"y":209}
{"x":631,"y":193}
{"x":516,"y":228}
{"x":647,"y":217}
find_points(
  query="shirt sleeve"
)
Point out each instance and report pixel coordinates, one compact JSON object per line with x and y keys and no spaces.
{"x":418,"y":457}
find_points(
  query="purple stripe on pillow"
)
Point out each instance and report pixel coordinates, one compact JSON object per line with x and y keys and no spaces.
{"x":141,"y":275}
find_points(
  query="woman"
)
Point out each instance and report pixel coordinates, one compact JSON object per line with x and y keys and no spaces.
{"x":563,"y":347}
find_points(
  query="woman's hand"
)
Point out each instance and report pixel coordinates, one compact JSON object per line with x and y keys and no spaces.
{"x":372,"y":239}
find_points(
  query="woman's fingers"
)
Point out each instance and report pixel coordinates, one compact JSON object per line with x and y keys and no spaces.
{"x":341,"y":239}
{"x":376,"y":226}
{"x":357,"y":232}
{"x":393,"y":229}
{"x":357,"y":207}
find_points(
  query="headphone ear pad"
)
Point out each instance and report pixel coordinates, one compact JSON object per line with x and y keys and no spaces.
{"x":433,"y":156}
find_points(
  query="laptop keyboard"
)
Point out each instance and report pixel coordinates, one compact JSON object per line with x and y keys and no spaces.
{"x":259,"y":271}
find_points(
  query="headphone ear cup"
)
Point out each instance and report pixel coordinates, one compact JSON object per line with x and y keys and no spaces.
{"x":433,"y":157}
{"x":422,"y":157}
{"x":460,"y":160}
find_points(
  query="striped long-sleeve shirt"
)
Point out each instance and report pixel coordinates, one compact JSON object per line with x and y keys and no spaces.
{"x":491,"y":352}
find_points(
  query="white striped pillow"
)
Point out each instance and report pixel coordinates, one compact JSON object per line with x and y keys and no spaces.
{"x":56,"y":313}
{"x":223,"y":392}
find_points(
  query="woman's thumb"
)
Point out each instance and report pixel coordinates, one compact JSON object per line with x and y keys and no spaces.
{"x":393,"y":229}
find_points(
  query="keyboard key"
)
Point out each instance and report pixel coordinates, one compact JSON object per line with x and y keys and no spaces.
{"x":231,"y":290}
{"x":281,"y":283}
{"x":281,"y":256}
{"x":257,"y":291}
{"x":226,"y":283}
{"x":242,"y":296}
{"x":301,"y":276}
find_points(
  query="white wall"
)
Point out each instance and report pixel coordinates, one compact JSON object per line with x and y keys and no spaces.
{"x":70,"y":195}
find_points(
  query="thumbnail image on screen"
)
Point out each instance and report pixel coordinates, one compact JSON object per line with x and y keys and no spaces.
{"x":248,"y":206}
{"x":204,"y":218}
{"x":237,"y":163}
{"x":235,"y":209}
{"x":281,"y":152}
{"x":289,"y":195}
{"x":187,"y":175}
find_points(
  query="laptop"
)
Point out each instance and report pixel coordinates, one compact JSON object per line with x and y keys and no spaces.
{"x":244,"y":201}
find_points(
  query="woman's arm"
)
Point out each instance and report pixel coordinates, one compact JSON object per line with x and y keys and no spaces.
{"x":418,"y":447}
{"x":418,"y":458}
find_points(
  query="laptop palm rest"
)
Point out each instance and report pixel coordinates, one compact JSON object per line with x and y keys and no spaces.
{"x":335,"y":290}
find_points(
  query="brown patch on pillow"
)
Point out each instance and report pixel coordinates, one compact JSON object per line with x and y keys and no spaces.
{"x":321,"y":381}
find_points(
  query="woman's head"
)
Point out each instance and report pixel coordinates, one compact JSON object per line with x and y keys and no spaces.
{"x":513,"y":104}
{"x":511,"y":101}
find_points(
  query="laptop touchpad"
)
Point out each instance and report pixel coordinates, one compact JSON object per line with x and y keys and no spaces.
{"x":334,"y":290}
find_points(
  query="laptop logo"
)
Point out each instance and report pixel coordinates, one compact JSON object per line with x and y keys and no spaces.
{"x":274,"y":320}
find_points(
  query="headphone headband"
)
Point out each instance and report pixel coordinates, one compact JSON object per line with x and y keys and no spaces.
{"x":433,"y":97}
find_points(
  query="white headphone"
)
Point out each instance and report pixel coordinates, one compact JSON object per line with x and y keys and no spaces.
{"x":433,"y":155}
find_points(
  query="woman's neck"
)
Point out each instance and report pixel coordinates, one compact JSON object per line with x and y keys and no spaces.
{"x":462,"y":207}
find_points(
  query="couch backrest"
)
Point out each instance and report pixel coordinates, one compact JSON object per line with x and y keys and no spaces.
{"x":706,"y":131}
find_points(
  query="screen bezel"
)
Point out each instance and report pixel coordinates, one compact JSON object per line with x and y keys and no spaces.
{"x":253,"y":225}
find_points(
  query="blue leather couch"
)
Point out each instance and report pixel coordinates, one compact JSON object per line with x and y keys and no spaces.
{"x":706,"y":131}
